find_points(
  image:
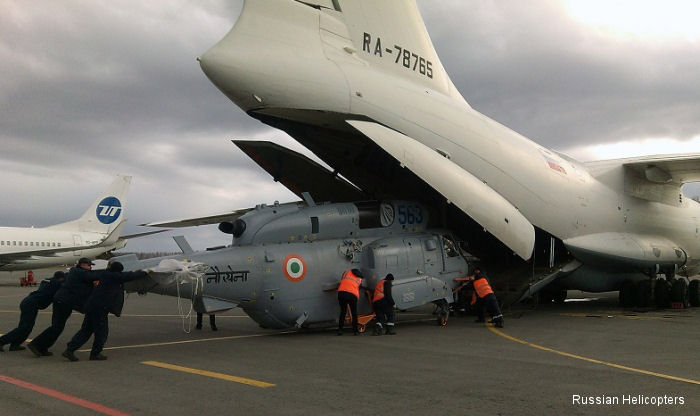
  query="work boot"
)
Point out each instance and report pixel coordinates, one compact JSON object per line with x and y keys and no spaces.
{"x":34,"y":349}
{"x":17,"y":347}
{"x":390,"y":330}
{"x":199,"y":326}
{"x":340,"y":332}
{"x":377,"y":329}
{"x":98,"y":357}
{"x":499,"y":323}
{"x":69,"y":355}
{"x":1,"y":348}
{"x":214,"y":328}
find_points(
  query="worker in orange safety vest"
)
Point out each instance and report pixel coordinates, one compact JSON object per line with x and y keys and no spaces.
{"x":483,"y":297}
{"x":383,"y":304}
{"x":348,"y":295}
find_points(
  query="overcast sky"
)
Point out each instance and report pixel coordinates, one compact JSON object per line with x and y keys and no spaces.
{"x":92,"y":88}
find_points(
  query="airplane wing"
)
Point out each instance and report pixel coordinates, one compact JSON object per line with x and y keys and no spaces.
{"x":677,"y":169}
{"x":662,"y":169}
{"x":299,"y":173}
{"x":137,"y":235}
{"x":654,"y":178}
{"x":472,"y":196}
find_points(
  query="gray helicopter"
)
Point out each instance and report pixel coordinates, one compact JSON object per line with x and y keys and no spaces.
{"x":286,"y":260}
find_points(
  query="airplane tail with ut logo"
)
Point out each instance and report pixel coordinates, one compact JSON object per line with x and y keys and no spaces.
{"x":106,"y":213}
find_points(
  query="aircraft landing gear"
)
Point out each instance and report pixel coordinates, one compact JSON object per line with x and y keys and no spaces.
{"x":627,"y":294}
{"x":662,"y":293}
{"x":694,"y":292}
{"x":442,"y":312}
{"x":560,"y":296}
{"x":679,"y":292}
{"x":643,"y":294}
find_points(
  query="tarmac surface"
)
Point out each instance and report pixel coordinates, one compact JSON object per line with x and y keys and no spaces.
{"x":539,"y":363}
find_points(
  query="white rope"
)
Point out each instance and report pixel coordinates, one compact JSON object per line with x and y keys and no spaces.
{"x":171,"y":271}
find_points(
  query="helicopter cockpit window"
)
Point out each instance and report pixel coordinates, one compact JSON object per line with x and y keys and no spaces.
{"x":450,"y":247}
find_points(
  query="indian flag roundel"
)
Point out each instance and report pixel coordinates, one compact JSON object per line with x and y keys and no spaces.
{"x":294,"y":268}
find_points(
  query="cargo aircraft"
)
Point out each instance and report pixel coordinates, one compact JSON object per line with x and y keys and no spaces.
{"x":359,"y":84}
{"x":95,"y":233}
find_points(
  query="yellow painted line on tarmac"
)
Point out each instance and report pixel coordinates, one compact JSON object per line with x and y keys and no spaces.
{"x":628,"y":317}
{"x":191,"y":341}
{"x":591,"y":360}
{"x":220,"y":376}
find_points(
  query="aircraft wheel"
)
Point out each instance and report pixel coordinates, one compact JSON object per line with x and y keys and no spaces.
{"x":627,"y":294}
{"x":662,"y":293}
{"x":442,"y":318}
{"x":679,"y":292}
{"x":643,"y":294}
{"x":560,"y":296}
{"x":694,"y":292}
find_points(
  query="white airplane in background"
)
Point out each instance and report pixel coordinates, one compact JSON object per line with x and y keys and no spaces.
{"x":96,"y":232}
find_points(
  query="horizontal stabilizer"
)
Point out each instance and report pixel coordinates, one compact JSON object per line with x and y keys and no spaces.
{"x":472,"y":196}
{"x":298,"y":173}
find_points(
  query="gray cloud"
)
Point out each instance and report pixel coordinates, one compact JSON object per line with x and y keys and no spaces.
{"x":90,"y":89}
{"x":560,"y":83}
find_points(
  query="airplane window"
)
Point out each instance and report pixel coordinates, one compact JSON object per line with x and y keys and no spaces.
{"x":26,"y":244}
{"x":2,"y":243}
{"x":53,"y":244}
{"x":59,"y":244}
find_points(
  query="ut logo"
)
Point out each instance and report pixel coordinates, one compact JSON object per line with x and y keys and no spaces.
{"x":108,"y":210}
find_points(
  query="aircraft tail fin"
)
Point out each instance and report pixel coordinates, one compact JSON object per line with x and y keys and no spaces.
{"x":392,"y":36}
{"x":106,"y":213}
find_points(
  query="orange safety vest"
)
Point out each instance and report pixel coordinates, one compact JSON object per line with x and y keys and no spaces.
{"x":350,"y":283}
{"x":378,"y":292}
{"x":482,"y":288}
